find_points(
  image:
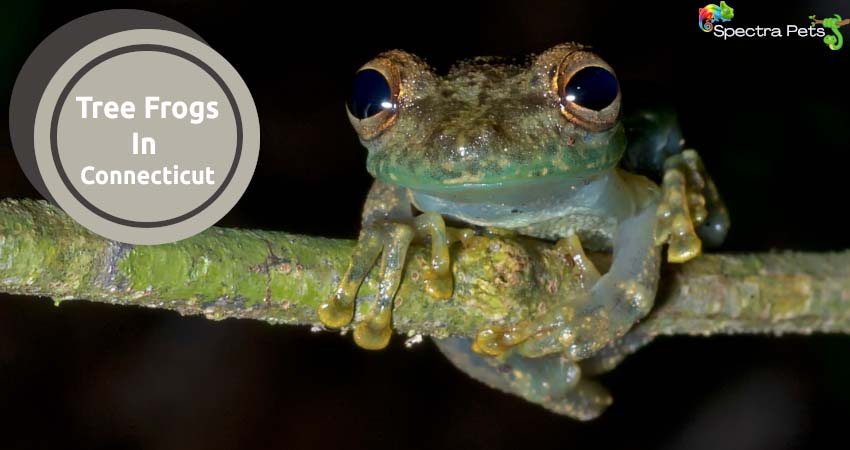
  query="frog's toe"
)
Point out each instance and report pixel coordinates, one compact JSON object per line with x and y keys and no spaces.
{"x":714,"y":229}
{"x":374,"y":333}
{"x":338,"y":310}
{"x":690,"y":210}
{"x":439,"y":283}
{"x":374,"y":329}
{"x":675,"y":223}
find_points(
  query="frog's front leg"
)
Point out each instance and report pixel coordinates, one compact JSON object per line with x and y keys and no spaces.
{"x":691,"y":210}
{"x":388,"y":229}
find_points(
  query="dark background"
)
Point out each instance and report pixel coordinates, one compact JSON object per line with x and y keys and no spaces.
{"x":769,"y":116}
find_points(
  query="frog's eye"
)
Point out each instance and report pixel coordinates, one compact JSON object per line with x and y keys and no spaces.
{"x":370,"y":94}
{"x":592,"y":88}
{"x":588,"y":91}
{"x":374,"y":96}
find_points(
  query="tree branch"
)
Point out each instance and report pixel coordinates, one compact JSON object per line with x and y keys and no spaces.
{"x":281,"y":278}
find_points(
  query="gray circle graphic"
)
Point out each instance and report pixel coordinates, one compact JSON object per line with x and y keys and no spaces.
{"x":54,"y":147}
{"x":49,"y":56}
{"x":122,"y":69}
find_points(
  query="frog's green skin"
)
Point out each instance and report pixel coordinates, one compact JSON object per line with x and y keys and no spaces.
{"x":492,"y":145}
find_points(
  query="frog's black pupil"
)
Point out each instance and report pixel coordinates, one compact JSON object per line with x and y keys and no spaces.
{"x":592,"y":87}
{"x":370,"y":94}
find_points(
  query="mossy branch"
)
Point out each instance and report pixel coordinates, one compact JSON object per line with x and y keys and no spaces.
{"x":281,"y":278}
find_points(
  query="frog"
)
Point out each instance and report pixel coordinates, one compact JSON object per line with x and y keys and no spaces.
{"x":540,"y":149}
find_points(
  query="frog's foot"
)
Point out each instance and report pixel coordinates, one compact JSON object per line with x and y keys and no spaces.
{"x":690,"y":208}
{"x":553,"y":381}
{"x":373,"y":331}
{"x":591,"y":320}
{"x":390,"y":240}
{"x":624,"y":294}
{"x":551,"y":332}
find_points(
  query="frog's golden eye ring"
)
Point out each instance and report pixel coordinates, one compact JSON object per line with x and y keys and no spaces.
{"x":588,"y":91}
{"x":373,"y":104}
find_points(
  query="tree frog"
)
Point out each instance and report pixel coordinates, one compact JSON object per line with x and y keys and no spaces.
{"x":541,"y":150}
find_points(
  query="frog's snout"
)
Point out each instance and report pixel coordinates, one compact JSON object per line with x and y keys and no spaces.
{"x":470,"y":136}
{"x":466,"y":144}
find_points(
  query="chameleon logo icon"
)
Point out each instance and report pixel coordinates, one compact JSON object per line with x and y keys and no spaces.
{"x":712,"y":13}
{"x":834,"y":41}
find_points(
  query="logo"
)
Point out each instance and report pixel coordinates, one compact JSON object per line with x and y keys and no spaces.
{"x":135,"y":127}
{"x":712,"y":13}
{"x":834,"y":41}
{"x":826,"y":29}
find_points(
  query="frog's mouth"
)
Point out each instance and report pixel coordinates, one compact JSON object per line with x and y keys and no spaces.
{"x":520,"y":203}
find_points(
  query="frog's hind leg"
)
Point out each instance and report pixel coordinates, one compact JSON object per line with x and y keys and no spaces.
{"x":551,"y":381}
{"x":610,"y":306}
{"x":691,"y":210}
{"x":614,"y":353}
{"x":624,"y":294}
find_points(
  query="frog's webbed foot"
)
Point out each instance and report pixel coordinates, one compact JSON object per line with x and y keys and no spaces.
{"x":390,"y":240}
{"x":552,"y":381}
{"x":610,"y":306}
{"x":691,"y":210}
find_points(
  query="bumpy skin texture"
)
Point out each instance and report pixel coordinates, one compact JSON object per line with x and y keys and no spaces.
{"x":496,"y":148}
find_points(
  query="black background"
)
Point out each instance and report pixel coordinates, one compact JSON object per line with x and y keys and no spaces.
{"x":770,"y":117}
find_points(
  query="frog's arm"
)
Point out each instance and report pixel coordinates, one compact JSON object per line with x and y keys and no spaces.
{"x":692,"y":212}
{"x":388,"y":229}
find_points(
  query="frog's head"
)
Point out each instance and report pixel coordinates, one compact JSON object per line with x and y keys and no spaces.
{"x":488,"y":125}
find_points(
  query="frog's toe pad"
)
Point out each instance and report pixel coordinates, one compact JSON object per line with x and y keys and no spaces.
{"x":371,"y":335}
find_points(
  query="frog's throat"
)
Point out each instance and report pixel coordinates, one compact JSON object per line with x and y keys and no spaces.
{"x":612,"y":195}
